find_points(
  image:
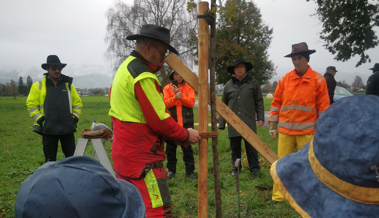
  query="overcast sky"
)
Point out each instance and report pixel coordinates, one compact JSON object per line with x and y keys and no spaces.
{"x":30,"y":30}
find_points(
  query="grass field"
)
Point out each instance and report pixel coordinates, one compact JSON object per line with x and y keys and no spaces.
{"x":21,"y":154}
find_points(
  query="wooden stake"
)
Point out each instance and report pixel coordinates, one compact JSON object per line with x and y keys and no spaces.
{"x":203,"y":94}
{"x":212,"y":75}
{"x":178,"y":66}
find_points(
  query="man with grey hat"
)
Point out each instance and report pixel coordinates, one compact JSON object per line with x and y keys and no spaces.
{"x":373,"y":81}
{"x":243,"y":95}
{"x":55,"y":107}
{"x":301,"y":96}
{"x":330,"y":81}
{"x":141,"y":122}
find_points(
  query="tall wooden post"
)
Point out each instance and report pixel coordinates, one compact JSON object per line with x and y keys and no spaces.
{"x":203,"y":94}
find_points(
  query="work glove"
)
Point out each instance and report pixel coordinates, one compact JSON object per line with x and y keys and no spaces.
{"x":75,"y":118}
{"x":41,"y":121}
{"x":273,"y":132}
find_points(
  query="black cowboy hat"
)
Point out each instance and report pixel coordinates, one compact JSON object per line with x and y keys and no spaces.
{"x":155,"y":32}
{"x":332,"y":68}
{"x":300,"y":48}
{"x":248,"y":65}
{"x":375,"y":68}
{"x":52,"y":60}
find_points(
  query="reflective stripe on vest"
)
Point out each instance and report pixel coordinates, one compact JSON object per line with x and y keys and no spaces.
{"x":297,"y":126}
{"x":153,"y":189}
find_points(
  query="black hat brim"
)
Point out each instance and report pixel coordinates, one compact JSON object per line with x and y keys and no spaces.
{"x":45,"y":66}
{"x":248,"y":66}
{"x":136,"y":36}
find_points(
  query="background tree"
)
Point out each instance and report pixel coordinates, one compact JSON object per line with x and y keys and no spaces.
{"x":11,"y":89}
{"x":98,"y":91}
{"x":21,"y":86}
{"x":243,"y":35}
{"x":29,"y":83}
{"x":267,"y":87}
{"x":357,"y":84}
{"x":348,"y":27}
{"x":2,"y":89}
{"x":124,"y":20}
{"x":274,"y":85}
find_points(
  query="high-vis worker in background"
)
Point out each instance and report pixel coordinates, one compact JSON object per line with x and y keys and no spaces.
{"x":55,"y":106}
{"x":179,"y":99}
{"x":301,"y":96}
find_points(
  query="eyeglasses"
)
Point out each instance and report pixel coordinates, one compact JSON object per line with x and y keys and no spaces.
{"x":162,"y":54}
{"x":56,"y":68}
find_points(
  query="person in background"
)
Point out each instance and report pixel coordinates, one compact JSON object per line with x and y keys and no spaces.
{"x":337,"y":173}
{"x":301,"y":96}
{"x":141,"y":122}
{"x":330,"y":81}
{"x":373,"y":81}
{"x":243,"y":95}
{"x":77,"y":187}
{"x":55,"y":107}
{"x":179,"y":100}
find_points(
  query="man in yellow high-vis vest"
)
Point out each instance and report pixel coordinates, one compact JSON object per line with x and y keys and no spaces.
{"x":141,"y":122}
{"x":55,"y":107}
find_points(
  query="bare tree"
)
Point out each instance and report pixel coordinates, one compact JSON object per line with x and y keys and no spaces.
{"x":358,"y":83}
{"x":124,"y":20}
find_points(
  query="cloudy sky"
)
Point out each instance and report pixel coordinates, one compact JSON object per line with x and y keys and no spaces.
{"x":75,"y":30}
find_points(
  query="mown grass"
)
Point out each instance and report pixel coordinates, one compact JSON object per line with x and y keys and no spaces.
{"x":21,"y":154}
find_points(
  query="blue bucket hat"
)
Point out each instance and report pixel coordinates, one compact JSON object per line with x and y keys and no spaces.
{"x":77,"y":186}
{"x":337,"y":173}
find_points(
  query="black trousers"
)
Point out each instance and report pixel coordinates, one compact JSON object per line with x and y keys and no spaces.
{"x":188,"y":159}
{"x":251,"y":153}
{"x":50,"y":146}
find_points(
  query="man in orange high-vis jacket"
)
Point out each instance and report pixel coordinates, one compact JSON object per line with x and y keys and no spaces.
{"x":141,"y":122}
{"x":301,"y":96}
{"x":179,"y":100}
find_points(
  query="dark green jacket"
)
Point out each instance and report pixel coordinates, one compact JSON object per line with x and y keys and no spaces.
{"x":245,"y":101}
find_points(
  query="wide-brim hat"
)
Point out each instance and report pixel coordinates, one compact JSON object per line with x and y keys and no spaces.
{"x":376,"y":67}
{"x":52,"y":60}
{"x":300,"y":48}
{"x":77,"y":186}
{"x":248,"y":65}
{"x":337,"y":173}
{"x":332,"y":68}
{"x":155,"y":32}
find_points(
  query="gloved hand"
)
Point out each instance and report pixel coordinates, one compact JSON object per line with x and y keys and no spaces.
{"x":273,"y":132}
{"x":75,"y":118}
{"x":41,"y":121}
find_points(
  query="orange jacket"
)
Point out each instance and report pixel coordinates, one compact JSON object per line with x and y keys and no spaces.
{"x":298,"y":102}
{"x":182,"y":106}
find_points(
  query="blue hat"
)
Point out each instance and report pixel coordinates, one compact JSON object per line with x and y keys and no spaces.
{"x":337,"y":173}
{"x":78,"y":186}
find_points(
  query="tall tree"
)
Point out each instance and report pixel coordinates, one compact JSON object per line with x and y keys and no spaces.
{"x":358,"y":83}
{"x":124,"y":20}
{"x":21,"y":86}
{"x":348,"y":27}
{"x":29,"y":83}
{"x":11,"y":89}
{"x":243,"y":34}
